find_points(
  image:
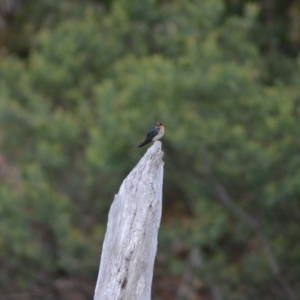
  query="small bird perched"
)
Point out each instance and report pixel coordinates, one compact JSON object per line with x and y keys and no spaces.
{"x":155,"y":134}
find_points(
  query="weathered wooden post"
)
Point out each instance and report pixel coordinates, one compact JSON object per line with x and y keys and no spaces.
{"x":130,"y":243}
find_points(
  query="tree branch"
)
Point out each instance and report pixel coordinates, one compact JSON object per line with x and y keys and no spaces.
{"x":130,"y":243}
{"x":222,"y":195}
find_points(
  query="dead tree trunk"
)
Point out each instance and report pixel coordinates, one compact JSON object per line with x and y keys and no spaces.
{"x":130,"y":242}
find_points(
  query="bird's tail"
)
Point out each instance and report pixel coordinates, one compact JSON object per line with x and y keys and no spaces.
{"x":144,"y":143}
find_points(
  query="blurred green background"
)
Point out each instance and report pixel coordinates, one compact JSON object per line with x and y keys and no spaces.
{"x":81,"y":82}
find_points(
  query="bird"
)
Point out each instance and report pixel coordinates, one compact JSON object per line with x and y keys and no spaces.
{"x":154,"y":134}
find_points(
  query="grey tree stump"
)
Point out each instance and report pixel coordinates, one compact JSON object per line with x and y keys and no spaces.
{"x":130,"y":243}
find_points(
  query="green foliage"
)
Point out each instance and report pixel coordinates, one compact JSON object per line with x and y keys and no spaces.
{"x":71,"y":116}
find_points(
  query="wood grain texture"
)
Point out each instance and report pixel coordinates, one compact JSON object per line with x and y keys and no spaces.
{"x":130,"y":243}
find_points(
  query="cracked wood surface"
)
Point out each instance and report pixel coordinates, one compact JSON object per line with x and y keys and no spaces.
{"x":130,"y":243}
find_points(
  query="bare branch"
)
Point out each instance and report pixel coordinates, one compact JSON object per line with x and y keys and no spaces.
{"x":130,"y":243}
{"x":222,"y":195}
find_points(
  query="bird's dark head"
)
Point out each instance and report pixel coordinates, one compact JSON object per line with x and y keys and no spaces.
{"x":160,"y":125}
